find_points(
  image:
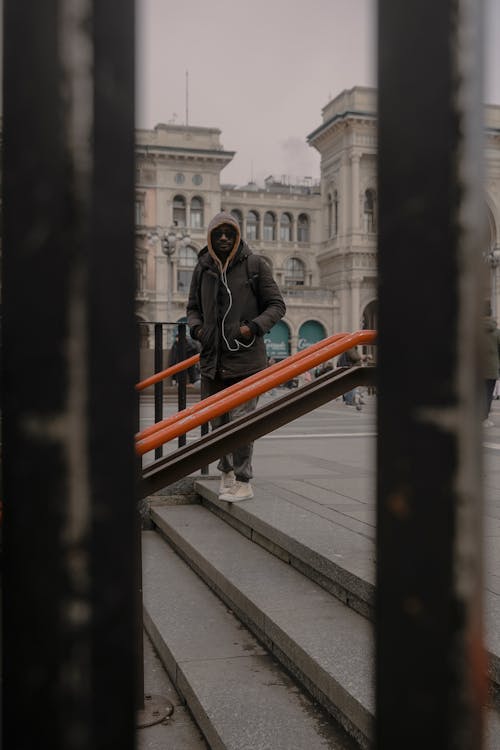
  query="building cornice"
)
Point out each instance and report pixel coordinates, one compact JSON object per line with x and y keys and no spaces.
{"x":339,"y":118}
{"x":180,"y":151}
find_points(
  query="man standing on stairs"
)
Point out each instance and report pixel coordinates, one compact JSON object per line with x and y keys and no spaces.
{"x":233,"y":302}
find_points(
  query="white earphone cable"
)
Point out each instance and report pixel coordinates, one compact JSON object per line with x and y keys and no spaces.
{"x":239,"y":344}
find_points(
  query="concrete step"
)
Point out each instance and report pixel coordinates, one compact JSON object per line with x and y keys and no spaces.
{"x":334,"y":550}
{"x":308,"y":646}
{"x":324,"y":644}
{"x":239,"y":696}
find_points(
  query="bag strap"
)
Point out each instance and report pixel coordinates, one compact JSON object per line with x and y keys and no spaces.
{"x":253,"y":267}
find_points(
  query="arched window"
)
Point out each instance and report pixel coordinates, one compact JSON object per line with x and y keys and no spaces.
{"x":369,"y":212}
{"x":179,"y":214}
{"x":303,"y":228}
{"x":186,"y":261}
{"x":269,"y":227}
{"x":196,"y":213}
{"x":286,"y":228}
{"x":139,"y":211}
{"x":294,"y":272}
{"x":252,"y":225}
{"x":238,"y":216}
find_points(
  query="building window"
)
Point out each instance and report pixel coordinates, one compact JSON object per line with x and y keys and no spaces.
{"x":269,"y":227}
{"x":139,"y":211}
{"x":294,"y":272}
{"x":286,"y":228}
{"x":186,"y":262}
{"x":179,"y":178}
{"x":238,"y":216}
{"x":252,"y":225}
{"x":369,"y":211}
{"x":196,"y":213}
{"x":139,"y":276}
{"x":179,"y":214}
{"x":333,"y":214}
{"x":303,"y":228}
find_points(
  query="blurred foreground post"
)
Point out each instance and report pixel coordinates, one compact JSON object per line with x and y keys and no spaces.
{"x":430,"y":674}
{"x":69,"y":365}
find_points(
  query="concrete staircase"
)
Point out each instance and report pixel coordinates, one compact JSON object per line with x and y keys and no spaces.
{"x":287,"y":593}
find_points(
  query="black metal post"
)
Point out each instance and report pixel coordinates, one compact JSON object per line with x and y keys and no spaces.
{"x":68,"y":397}
{"x":204,"y":431}
{"x":429,"y":666}
{"x":182,"y":377}
{"x":158,"y":387}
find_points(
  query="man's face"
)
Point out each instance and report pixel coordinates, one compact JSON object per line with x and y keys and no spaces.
{"x":223,"y":239}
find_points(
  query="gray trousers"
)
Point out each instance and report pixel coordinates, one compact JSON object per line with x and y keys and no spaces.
{"x":240,"y":460}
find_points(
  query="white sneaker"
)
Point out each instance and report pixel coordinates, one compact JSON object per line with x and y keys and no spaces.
{"x":488,"y":423}
{"x":227,"y":480}
{"x":239,"y":491}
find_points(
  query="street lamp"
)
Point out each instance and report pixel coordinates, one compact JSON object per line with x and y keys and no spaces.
{"x":171,"y":241}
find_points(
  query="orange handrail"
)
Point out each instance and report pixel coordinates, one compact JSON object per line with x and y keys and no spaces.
{"x":173,"y":370}
{"x":193,"y":408}
{"x":184,"y":423}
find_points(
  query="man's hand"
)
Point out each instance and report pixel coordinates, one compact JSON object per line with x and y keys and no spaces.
{"x":245,"y":331}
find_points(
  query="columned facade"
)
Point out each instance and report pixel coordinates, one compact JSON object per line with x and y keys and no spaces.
{"x":319,"y":238}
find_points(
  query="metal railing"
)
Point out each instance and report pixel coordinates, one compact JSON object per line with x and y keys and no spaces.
{"x":279,"y":373}
{"x":265,"y":419}
{"x":164,"y":334}
{"x":71,"y":527}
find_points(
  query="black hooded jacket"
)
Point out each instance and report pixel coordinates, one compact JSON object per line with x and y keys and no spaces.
{"x":223,"y":297}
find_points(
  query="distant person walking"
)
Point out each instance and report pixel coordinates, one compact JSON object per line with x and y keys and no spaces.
{"x":491,"y":361}
{"x":174,"y":357}
{"x":350,"y":358}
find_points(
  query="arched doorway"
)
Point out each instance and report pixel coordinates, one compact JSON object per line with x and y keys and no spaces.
{"x":277,"y":341}
{"x":370,"y":316}
{"x":310,"y":332}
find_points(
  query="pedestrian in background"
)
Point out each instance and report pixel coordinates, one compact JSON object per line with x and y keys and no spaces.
{"x":174,"y":357}
{"x":350,"y":358}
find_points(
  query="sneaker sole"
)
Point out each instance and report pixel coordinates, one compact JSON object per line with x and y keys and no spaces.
{"x":234,"y":499}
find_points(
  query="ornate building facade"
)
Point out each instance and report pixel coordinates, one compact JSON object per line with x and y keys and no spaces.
{"x":320,"y":238}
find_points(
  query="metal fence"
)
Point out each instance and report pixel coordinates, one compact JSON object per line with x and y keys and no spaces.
{"x":70,"y":587}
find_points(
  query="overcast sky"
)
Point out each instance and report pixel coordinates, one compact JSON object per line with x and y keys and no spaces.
{"x":261,"y":71}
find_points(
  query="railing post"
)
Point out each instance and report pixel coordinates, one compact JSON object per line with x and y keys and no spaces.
{"x":204,"y":431}
{"x":430,"y":669}
{"x":158,"y":387}
{"x":182,"y":378}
